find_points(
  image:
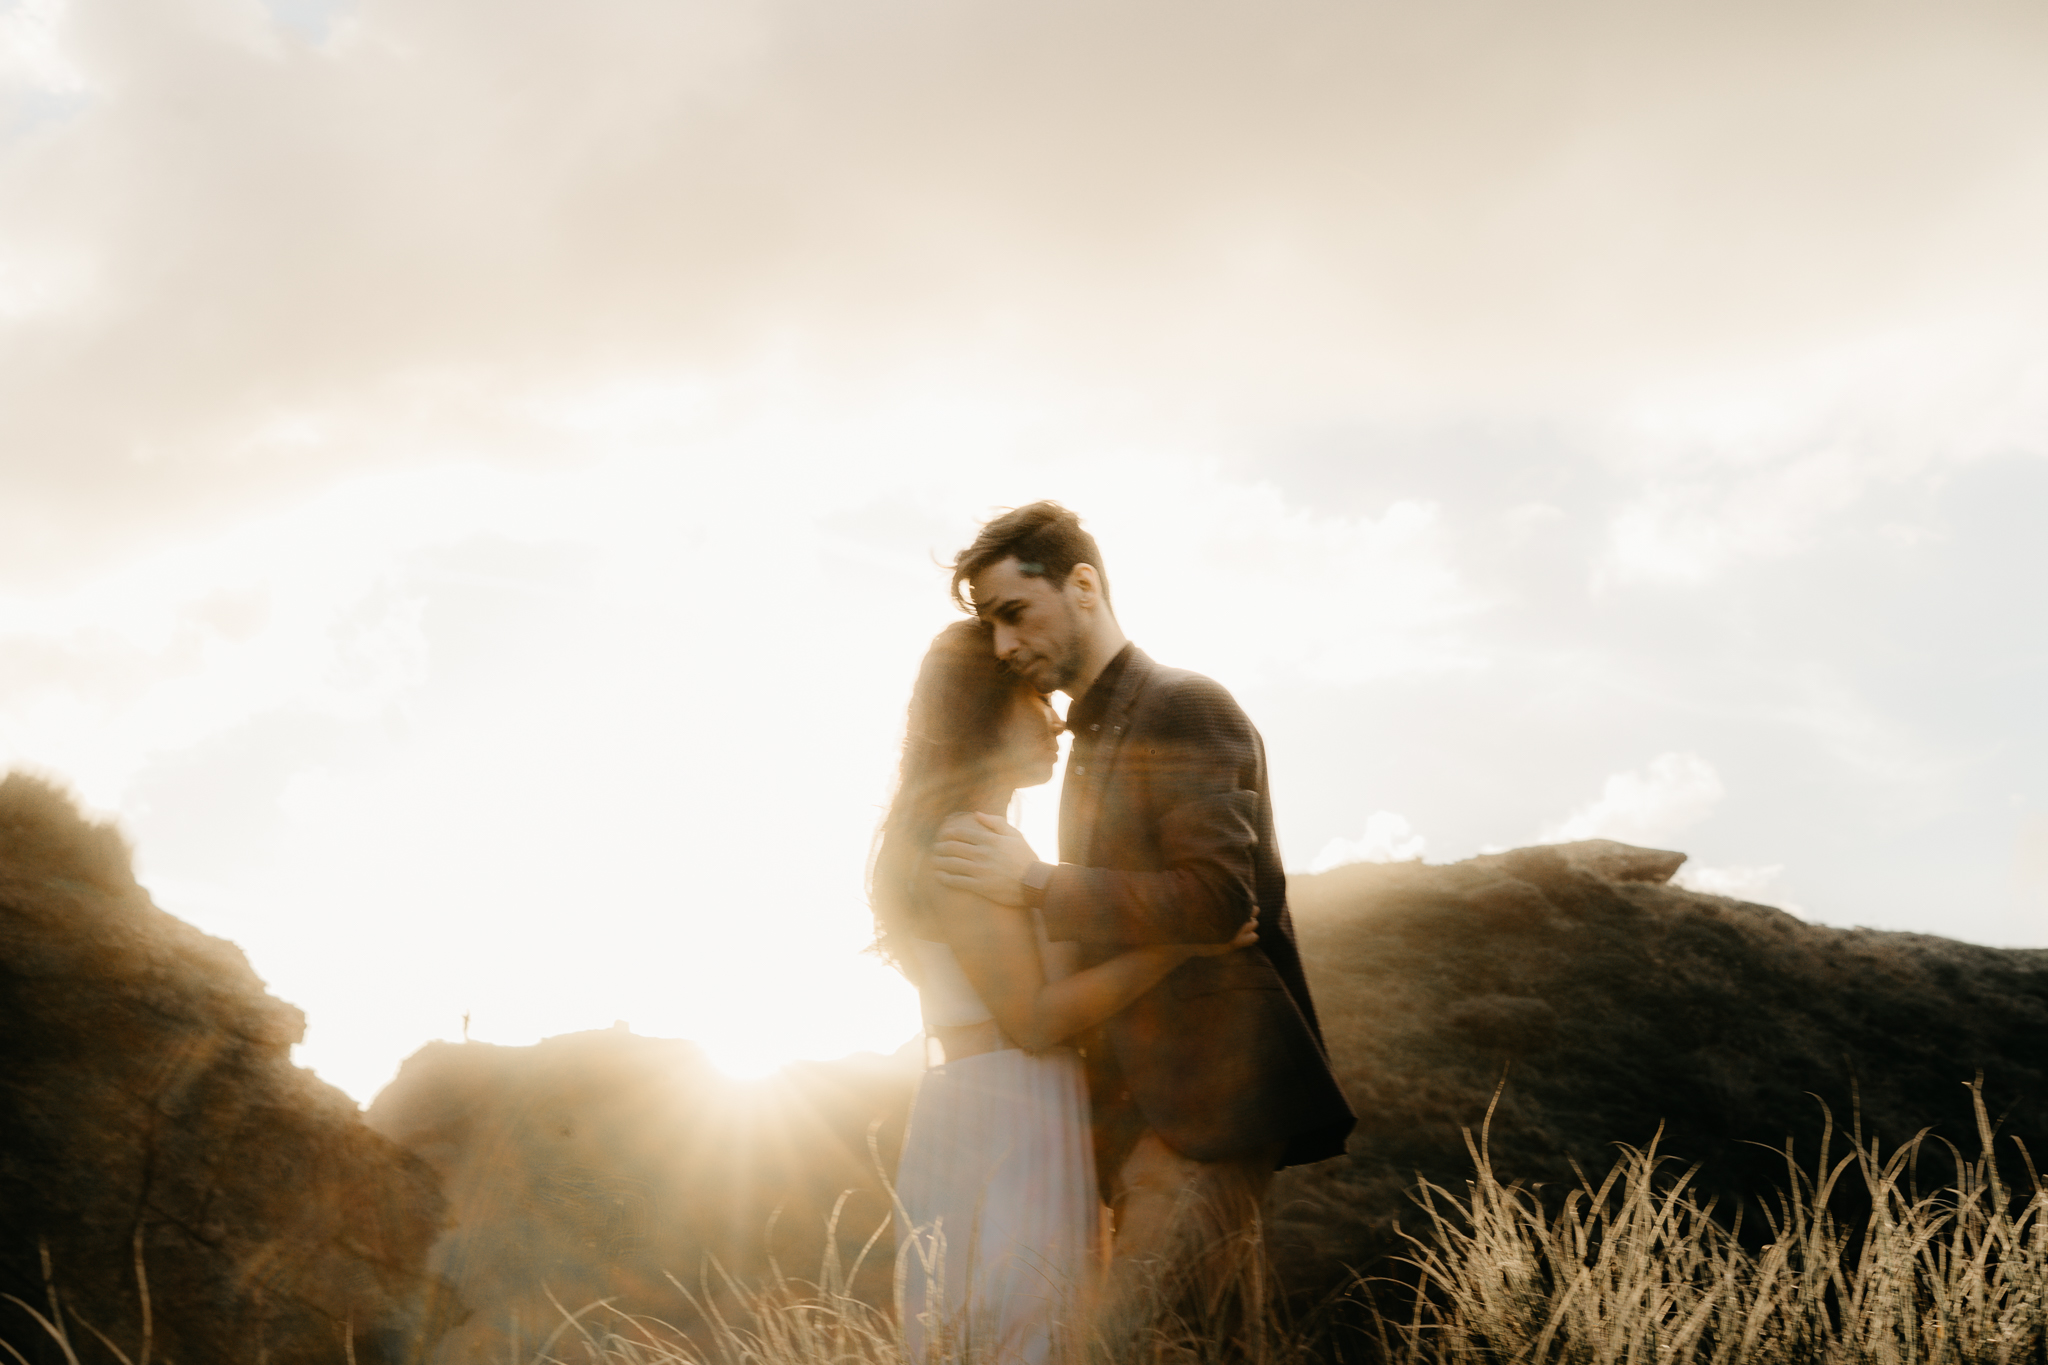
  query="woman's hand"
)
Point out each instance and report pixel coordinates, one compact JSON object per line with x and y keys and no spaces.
{"x":1247,"y":935}
{"x":1167,"y":956}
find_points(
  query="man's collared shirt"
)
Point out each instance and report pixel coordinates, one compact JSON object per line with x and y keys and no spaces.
{"x":1084,"y":723}
{"x":1084,"y":717}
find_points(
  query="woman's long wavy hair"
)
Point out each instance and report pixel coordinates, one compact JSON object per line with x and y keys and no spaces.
{"x":950,"y":752}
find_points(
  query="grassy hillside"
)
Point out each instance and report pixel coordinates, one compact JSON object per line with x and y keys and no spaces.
{"x":1612,"y":1006}
{"x":154,"y":1132}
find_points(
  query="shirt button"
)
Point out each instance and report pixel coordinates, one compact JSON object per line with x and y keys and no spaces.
{"x":1083,"y":771}
{"x":1094,"y":727}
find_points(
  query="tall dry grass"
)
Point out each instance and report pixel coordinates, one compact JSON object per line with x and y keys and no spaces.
{"x":1864,"y":1264}
{"x":1637,"y":1271}
{"x":789,"y":1320}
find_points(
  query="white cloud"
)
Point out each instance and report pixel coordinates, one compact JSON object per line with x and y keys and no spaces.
{"x":1334,"y":599}
{"x":1763,"y":463}
{"x":1671,"y":793}
{"x":1387,"y":839}
{"x":1074,"y":188}
{"x":30,"y":50}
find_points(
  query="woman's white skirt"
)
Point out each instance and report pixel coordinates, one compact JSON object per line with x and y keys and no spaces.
{"x":997,"y":1213}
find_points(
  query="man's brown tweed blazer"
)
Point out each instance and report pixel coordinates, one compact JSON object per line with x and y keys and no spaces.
{"x":1166,"y":836}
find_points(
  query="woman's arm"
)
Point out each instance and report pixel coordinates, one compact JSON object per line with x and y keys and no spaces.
{"x":998,"y":948}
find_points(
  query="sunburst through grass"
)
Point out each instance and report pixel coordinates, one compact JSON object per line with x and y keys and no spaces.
{"x":1858,"y":1264}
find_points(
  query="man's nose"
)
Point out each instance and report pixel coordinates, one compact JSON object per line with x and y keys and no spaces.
{"x":1005,"y":642}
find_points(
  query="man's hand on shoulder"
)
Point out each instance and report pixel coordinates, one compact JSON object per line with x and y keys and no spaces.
{"x":984,"y":855}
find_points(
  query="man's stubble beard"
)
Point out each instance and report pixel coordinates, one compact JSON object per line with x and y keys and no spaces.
{"x":1067,"y":667}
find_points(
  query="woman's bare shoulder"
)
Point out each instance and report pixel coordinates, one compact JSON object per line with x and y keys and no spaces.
{"x":936,"y":907}
{"x":947,"y":906}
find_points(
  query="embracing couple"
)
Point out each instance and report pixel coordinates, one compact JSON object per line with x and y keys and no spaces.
{"x":1131,"y":1019}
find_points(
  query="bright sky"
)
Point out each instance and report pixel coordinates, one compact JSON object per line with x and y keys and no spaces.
{"x":471,"y":472}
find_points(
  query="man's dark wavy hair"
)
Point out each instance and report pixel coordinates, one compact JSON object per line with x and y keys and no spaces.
{"x":1045,"y":537}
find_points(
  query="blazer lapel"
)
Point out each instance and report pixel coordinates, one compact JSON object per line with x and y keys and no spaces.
{"x":1116,"y":725}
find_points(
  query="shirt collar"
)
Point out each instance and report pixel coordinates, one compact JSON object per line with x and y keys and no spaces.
{"x":1089,"y":709}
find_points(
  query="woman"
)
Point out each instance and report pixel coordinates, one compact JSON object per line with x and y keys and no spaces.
{"x":996,"y":1187}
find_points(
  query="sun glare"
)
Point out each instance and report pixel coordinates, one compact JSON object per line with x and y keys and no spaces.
{"x":744,"y":1058}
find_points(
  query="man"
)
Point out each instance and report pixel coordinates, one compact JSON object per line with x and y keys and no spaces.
{"x":1216,"y":1077}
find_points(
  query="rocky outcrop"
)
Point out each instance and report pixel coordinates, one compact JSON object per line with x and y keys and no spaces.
{"x":605,"y":1166}
{"x":149,"y":1110}
{"x":1604,"y":1005}
{"x":1608,"y":860}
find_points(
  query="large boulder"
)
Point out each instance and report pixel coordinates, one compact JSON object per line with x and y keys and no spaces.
{"x":1602,"y":1005}
{"x":604,"y":1166}
{"x":149,"y":1110}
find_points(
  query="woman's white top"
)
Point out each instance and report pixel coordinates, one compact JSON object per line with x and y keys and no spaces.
{"x":943,"y":990}
{"x":948,"y":998}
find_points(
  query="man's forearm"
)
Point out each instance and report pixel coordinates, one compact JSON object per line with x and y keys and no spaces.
{"x":1180,"y":905}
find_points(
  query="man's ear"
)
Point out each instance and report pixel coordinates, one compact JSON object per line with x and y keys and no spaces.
{"x":1083,"y":579}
